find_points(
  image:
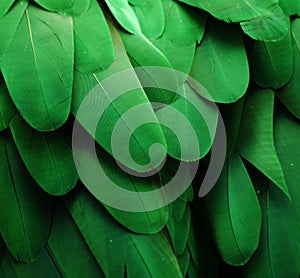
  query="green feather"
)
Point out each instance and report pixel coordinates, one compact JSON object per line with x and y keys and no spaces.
{"x":289,"y":95}
{"x":79,"y":7}
{"x":9,"y":24}
{"x":234,"y":213}
{"x":290,"y":7}
{"x":271,"y":63}
{"x":55,"y":5}
{"x":278,"y":253}
{"x":7,"y":108}
{"x":44,"y":99}
{"x":143,"y":137}
{"x":193,"y":124}
{"x":47,"y":156}
{"x":184,"y":25}
{"x":220,"y":64}
{"x":66,"y":245}
{"x":147,"y":55}
{"x":147,"y":221}
{"x":257,"y":130}
{"x":93,"y":45}
{"x":115,"y":248}
{"x":257,"y":18}
{"x":25,"y":210}
{"x":125,"y":15}
{"x":5,"y":6}
{"x":150,"y":15}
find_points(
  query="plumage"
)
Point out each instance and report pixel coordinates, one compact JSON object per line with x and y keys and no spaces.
{"x":236,"y":220}
{"x":220,"y":63}
{"x":25,"y":209}
{"x":47,"y":156}
{"x":257,"y":129}
{"x":44,"y":100}
{"x":93,"y":49}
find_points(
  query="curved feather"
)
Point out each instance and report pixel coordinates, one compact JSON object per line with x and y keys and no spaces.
{"x":125,"y":15}
{"x":9,"y":24}
{"x":257,"y":130}
{"x":79,"y":7}
{"x":66,"y":244}
{"x":94,"y":50}
{"x":184,"y":25}
{"x":221,"y":64}
{"x":47,"y":156}
{"x":7,"y":108}
{"x":278,"y":254}
{"x":193,"y":124}
{"x":25,"y":210}
{"x":146,"y":221}
{"x":5,"y":6}
{"x":44,"y":100}
{"x":151,"y":17}
{"x":115,"y":248}
{"x":55,"y":5}
{"x":234,"y":213}
{"x":271,"y":63}
{"x":289,"y":95}
{"x":142,"y":53}
{"x":117,"y":104}
{"x":261,"y":20}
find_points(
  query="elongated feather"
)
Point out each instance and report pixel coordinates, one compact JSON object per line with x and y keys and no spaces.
{"x":142,"y":53}
{"x":125,"y":15}
{"x":257,"y":18}
{"x":221,"y":64}
{"x":55,"y":5}
{"x":150,"y":15}
{"x":256,"y":142}
{"x":47,"y":156}
{"x":5,"y":6}
{"x":197,"y":120}
{"x":115,"y":248}
{"x":25,"y":210}
{"x":9,"y":24}
{"x":79,"y":7}
{"x":184,"y":25}
{"x":181,"y":57}
{"x":234,"y":213}
{"x":290,"y":7}
{"x":278,"y":253}
{"x":44,"y":99}
{"x":114,"y":95}
{"x":271,"y":63}
{"x":42,"y":267}
{"x":94,"y":50}
{"x":147,"y":221}
{"x":7,"y":108}
{"x":231,"y":115}
{"x":289,"y":95}
{"x":68,"y":248}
